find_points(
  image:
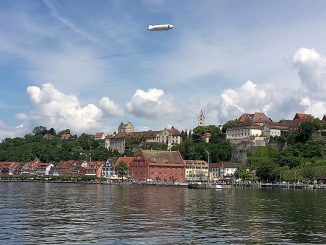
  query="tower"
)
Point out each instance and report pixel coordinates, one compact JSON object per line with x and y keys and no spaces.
{"x":126,"y":128}
{"x":201,"y":119}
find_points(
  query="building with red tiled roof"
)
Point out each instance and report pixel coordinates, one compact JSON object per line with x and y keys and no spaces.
{"x":94,"y":168}
{"x":276,"y":129}
{"x":29,"y":167}
{"x":42,"y":169}
{"x":160,"y":166}
{"x":256,"y":118}
{"x":17,"y":168}
{"x":63,"y":168}
{"x":77,"y":167}
{"x":99,"y":136}
{"x":303,"y":117}
{"x":7,"y":168}
{"x":250,"y":127}
{"x":293,"y":125}
{"x":127,"y":160}
{"x":246,"y":118}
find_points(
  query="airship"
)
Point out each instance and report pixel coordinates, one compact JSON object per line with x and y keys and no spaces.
{"x":162,"y":27}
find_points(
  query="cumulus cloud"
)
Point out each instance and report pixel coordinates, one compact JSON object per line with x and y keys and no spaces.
{"x":279,"y":102}
{"x":150,"y":104}
{"x":311,"y":68}
{"x":110,"y":108}
{"x":52,"y":108}
{"x":316,"y":108}
{"x":249,"y":97}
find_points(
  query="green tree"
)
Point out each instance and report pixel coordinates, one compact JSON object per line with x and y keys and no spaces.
{"x":261,"y":155}
{"x":101,"y":153}
{"x":229,"y":124}
{"x":245,"y":174}
{"x":263,"y":160}
{"x":39,"y":130}
{"x":85,"y":141}
{"x":307,"y":128}
{"x":186,"y":149}
{"x":313,"y":149}
{"x":268,"y":172}
{"x":221,"y":151}
{"x":121,"y":169}
{"x":199,"y":131}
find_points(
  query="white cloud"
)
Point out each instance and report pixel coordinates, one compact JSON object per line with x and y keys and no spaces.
{"x":110,"y":108}
{"x":10,"y":132}
{"x":279,"y":102}
{"x":151,"y":104}
{"x":312,"y":71}
{"x":311,"y":68}
{"x":249,"y":97}
{"x":52,"y":108}
{"x":314,"y":107}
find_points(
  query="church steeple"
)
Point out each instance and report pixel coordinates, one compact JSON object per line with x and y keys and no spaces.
{"x":201,"y":119}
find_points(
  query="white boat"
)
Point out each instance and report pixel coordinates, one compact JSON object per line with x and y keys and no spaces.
{"x":199,"y":185}
{"x":222,"y":186}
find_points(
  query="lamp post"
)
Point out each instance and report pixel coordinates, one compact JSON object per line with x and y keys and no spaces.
{"x":208,"y":165}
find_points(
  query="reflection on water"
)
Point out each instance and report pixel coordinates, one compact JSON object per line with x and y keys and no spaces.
{"x":47,"y":213}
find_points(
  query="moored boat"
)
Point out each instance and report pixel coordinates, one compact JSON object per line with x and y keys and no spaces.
{"x":204,"y":185}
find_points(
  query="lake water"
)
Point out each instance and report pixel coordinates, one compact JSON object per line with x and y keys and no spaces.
{"x":49,"y":213}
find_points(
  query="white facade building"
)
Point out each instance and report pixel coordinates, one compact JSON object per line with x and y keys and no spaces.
{"x":243,"y":132}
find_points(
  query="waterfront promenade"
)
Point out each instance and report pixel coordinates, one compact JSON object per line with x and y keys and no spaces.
{"x":185,"y":185}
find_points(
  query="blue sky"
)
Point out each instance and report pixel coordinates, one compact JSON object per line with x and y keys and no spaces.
{"x":88,"y":65}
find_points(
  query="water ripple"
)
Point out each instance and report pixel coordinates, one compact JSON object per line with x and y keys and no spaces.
{"x":48,"y":213}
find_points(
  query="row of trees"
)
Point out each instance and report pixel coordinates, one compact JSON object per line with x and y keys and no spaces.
{"x":194,"y":147}
{"x":300,"y":157}
{"x":37,"y":145}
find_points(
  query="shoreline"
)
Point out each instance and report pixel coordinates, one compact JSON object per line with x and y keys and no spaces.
{"x":184,"y":185}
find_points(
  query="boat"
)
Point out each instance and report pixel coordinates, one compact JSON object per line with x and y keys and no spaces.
{"x":221,"y":186}
{"x":197,"y":185}
{"x":205,"y":185}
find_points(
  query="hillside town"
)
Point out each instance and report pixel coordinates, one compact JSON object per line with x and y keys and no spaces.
{"x":166,"y":165}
